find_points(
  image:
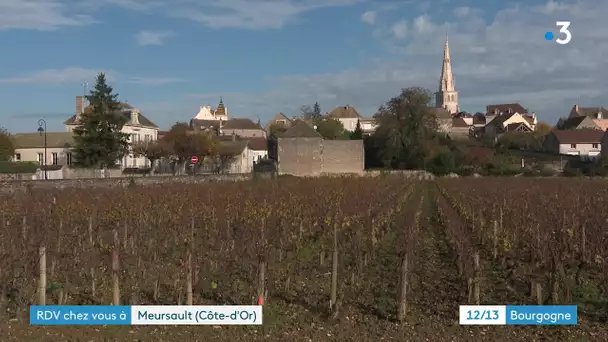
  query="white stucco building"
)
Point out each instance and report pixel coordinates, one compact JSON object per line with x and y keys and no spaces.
{"x":139,"y":127}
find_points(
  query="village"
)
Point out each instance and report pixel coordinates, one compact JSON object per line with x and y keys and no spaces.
{"x":297,"y":145}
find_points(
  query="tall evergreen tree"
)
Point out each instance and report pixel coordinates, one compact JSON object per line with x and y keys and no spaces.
{"x":316,"y":110}
{"x":357,"y":134}
{"x":99,"y":140}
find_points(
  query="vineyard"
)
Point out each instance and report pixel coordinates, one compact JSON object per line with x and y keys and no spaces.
{"x":333,"y":259}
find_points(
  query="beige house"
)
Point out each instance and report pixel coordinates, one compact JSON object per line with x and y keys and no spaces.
{"x":349,"y":116}
{"x":236,"y":156}
{"x":513,"y":122}
{"x":29,"y":147}
{"x":577,"y":122}
{"x":280,"y":120}
{"x":586,"y":143}
{"x":599,"y":115}
{"x":244,"y":128}
{"x":139,"y":127}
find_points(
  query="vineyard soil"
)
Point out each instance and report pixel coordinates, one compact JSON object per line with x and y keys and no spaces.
{"x":538,"y":241}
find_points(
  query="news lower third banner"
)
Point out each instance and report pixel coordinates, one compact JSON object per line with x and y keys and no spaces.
{"x":146,"y":315}
{"x":518,"y":315}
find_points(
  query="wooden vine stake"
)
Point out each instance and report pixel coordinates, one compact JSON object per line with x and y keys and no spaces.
{"x":403,"y":293}
{"x":42,"y":276}
{"x":476,"y":280}
{"x":189,"y":299}
{"x":92,"y":269}
{"x":334,"y":271}
{"x":261,"y":291}
{"x":115,"y":270}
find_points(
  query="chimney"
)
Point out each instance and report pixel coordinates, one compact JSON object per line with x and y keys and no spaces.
{"x":576,"y":108}
{"x":79,"y":105}
{"x":599,"y":115}
{"x":233,"y":136}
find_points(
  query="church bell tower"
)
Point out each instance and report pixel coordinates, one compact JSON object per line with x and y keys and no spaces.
{"x":447,"y":96}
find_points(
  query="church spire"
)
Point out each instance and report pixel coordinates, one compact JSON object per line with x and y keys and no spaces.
{"x":446,"y":82}
{"x":447,"y":96}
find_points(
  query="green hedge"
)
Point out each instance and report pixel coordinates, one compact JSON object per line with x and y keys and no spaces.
{"x":18,"y":167}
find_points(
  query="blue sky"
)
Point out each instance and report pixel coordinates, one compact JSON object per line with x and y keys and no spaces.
{"x":264,"y":56}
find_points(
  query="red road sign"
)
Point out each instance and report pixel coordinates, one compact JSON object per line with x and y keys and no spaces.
{"x":194,"y":159}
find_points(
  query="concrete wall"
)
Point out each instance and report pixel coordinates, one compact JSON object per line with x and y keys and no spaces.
{"x":343,"y":156}
{"x":315,"y":156}
{"x":300,"y":156}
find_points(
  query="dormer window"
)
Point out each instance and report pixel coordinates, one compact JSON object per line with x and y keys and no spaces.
{"x":496,"y":111}
{"x":510,"y":111}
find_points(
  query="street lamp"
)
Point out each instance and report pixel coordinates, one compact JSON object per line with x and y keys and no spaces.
{"x":42,"y":130}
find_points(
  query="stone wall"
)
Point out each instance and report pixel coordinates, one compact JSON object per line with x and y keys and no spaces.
{"x":343,"y":156}
{"x":300,"y":156}
{"x":315,"y":156}
{"x":22,"y":185}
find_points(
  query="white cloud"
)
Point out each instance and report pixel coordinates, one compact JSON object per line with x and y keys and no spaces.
{"x":155,"y":81}
{"x":422,"y":24}
{"x":145,"y":38}
{"x":369,"y":17}
{"x":400,"y":29}
{"x":496,"y":59}
{"x":71,"y":75}
{"x":41,"y":15}
{"x":77,"y":75}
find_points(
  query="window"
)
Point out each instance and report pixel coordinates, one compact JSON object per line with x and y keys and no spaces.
{"x":68,"y":158}
{"x":148,"y":138}
{"x":40,"y":158}
{"x":18,"y":157}
{"x":572,"y":145}
{"x":133,"y":138}
{"x":595,"y":145}
{"x":55,"y":158}
{"x":281,"y":122}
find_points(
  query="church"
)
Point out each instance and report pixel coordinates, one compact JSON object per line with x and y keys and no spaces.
{"x":446,"y":98}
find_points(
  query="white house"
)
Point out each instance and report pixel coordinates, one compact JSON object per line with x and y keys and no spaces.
{"x":586,"y":143}
{"x":29,"y":147}
{"x":139,"y":127}
{"x":349,"y":116}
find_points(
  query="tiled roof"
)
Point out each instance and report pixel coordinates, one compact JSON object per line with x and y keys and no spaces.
{"x":590,"y":111}
{"x":301,"y":130}
{"x":344,"y":112}
{"x":602,"y":124}
{"x":504,"y":108}
{"x":572,"y":123}
{"x":231,"y":148}
{"x":36,"y":140}
{"x":240,"y":124}
{"x":258,"y":144}
{"x":579,"y":136}
{"x":126,"y":109}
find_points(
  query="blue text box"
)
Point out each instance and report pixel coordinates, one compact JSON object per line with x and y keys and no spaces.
{"x":542,"y":315}
{"x":80,"y":315}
